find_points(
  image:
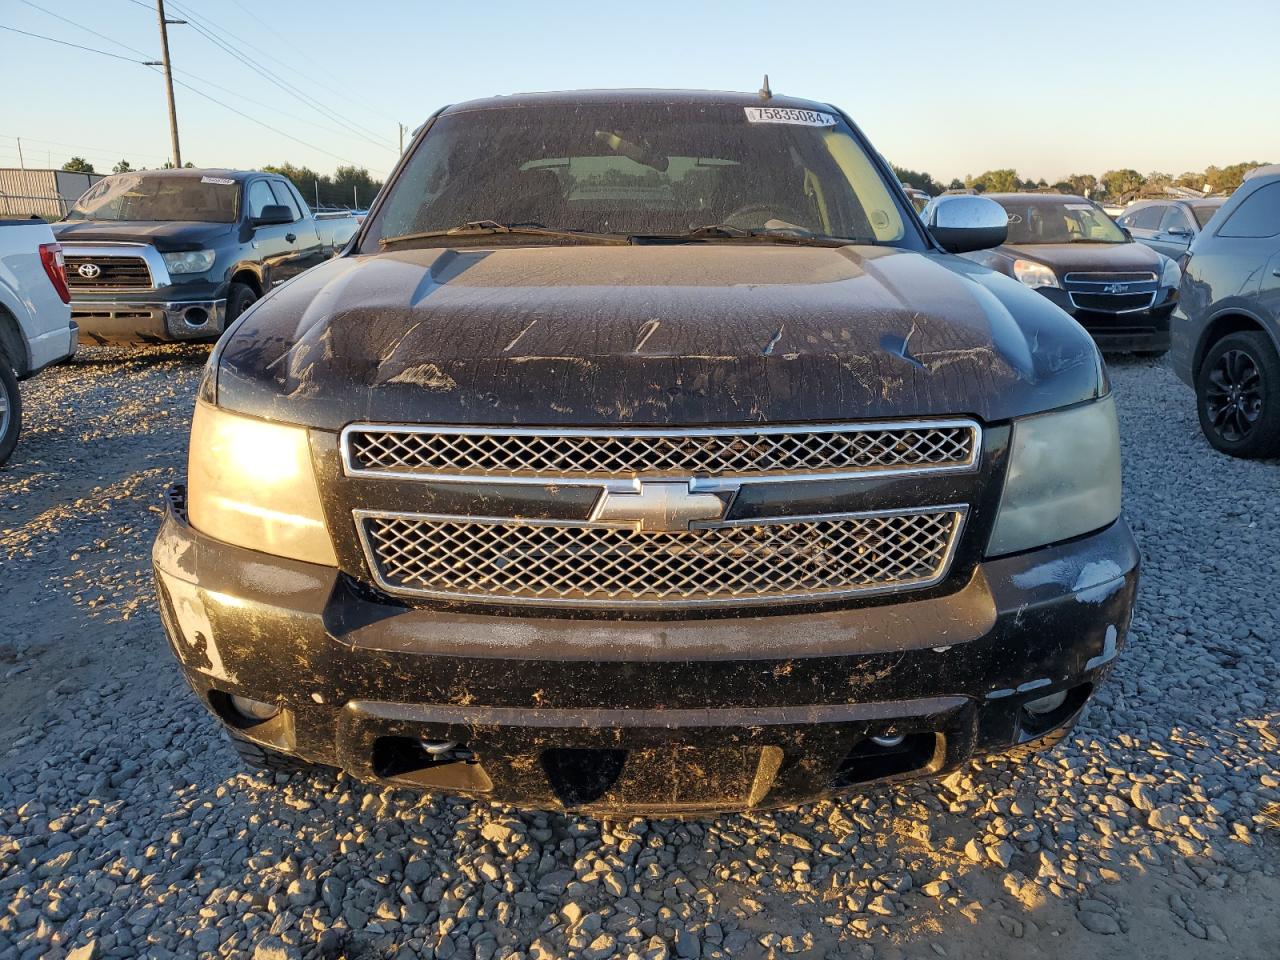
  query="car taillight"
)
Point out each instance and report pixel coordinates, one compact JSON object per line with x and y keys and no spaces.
{"x":56,"y":268}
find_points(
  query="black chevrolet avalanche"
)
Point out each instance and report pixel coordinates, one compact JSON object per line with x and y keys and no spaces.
{"x":644,"y":454}
{"x":1069,"y":250}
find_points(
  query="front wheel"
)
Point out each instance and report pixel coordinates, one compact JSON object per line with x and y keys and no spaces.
{"x":10,"y":409}
{"x":1238,"y":395}
{"x":240,"y":298}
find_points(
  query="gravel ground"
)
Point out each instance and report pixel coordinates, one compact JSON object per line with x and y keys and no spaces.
{"x":127,"y":829}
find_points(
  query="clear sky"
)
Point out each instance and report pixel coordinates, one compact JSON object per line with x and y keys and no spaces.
{"x":950,"y":88}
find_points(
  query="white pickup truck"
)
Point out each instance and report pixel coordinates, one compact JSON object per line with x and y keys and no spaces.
{"x":35,"y":315}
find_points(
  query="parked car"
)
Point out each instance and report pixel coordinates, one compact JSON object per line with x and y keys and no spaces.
{"x":180,"y":254}
{"x":36,"y":329}
{"x":1226,"y":331}
{"x":1169,"y":226}
{"x":644,"y":454}
{"x":1069,"y":250}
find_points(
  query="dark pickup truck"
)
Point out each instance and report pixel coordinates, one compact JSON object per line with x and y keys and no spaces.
{"x":645,"y":454}
{"x":179,"y":254}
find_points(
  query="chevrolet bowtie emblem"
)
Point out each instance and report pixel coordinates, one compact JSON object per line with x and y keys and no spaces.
{"x":658,"y":506}
{"x":1115,"y":288}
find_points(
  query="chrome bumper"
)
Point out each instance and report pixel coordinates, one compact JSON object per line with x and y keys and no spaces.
{"x":107,"y":321}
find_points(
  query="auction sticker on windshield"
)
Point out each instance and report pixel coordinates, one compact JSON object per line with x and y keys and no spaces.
{"x":807,"y":118}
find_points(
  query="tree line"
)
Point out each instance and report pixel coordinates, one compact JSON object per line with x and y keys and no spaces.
{"x":349,"y":186}
{"x":1112,"y":185}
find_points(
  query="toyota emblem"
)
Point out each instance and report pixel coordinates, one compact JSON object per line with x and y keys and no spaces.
{"x":89,"y":270}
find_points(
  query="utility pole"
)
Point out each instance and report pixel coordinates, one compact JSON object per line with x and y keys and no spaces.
{"x":168,"y":80}
{"x":402,"y":130}
{"x":22,"y":164}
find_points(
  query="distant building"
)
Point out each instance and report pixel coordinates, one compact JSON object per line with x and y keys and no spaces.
{"x":43,"y":193}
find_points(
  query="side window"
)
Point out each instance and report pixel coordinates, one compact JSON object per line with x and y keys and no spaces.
{"x":284,"y":198}
{"x":260,"y":196}
{"x":302,"y":204}
{"x":1147,"y":218}
{"x":1175,"y":219}
{"x":1257,"y":216}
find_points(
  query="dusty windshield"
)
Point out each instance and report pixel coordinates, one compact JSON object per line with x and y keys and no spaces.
{"x":137,"y":196}
{"x":1058,"y":220}
{"x":644,"y":169}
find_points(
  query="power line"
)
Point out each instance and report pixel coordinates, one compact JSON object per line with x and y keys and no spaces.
{"x":195,"y":90}
{"x":197,"y":24}
{"x":186,"y":73}
{"x":67,"y":43}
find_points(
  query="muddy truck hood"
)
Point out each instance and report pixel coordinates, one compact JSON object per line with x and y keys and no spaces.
{"x":646,"y":335}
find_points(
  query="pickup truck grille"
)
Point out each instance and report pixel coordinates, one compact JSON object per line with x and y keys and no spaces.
{"x":559,"y":455}
{"x":568,"y":562}
{"x":107,"y":273}
{"x":1111,"y":292}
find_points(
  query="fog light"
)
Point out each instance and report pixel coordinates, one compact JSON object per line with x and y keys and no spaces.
{"x":254,"y":709}
{"x":1046,"y":704}
{"x":889,"y":741}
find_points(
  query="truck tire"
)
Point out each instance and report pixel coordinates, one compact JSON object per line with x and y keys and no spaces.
{"x":10,"y":408}
{"x":259,"y":757}
{"x":240,"y":297}
{"x":1238,"y":395}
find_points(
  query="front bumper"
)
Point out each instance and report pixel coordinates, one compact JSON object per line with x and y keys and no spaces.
{"x":1146,"y":330}
{"x":644,"y":716}
{"x":141,"y":321}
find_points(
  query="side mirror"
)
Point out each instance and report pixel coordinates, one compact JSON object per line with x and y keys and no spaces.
{"x":962,"y":223}
{"x":1178,"y":232}
{"x":273,"y":214}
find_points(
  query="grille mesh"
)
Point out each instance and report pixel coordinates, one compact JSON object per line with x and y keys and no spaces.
{"x":535,"y":563}
{"x":116,"y":273}
{"x":719,"y":454}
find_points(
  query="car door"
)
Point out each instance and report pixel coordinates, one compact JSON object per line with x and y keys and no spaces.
{"x":304,"y":240}
{"x":271,"y":244}
{"x":1175,"y":233}
{"x":1144,"y":222}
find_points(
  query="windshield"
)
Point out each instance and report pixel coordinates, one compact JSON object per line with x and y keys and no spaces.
{"x":643,"y":169}
{"x":1204,"y":212}
{"x":137,"y":196}
{"x":1058,"y":220}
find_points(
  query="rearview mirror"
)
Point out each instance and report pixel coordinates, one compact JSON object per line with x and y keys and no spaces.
{"x":272,"y":214}
{"x":962,"y":223}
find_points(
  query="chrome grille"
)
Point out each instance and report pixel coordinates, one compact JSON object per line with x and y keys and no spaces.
{"x":115,"y":273}
{"x":566,"y":455}
{"x":1111,"y":292}
{"x":500,"y":561}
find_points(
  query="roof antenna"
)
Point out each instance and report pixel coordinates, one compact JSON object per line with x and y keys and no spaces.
{"x":765,"y":92}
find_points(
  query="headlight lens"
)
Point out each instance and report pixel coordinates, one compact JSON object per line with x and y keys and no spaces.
{"x":1063,"y":479}
{"x":1034,"y":274}
{"x":1171,"y":275}
{"x":188,"y":261}
{"x":250,"y":483}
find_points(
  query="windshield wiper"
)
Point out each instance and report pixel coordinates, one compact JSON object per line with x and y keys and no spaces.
{"x":480,"y":228}
{"x":723,"y":231}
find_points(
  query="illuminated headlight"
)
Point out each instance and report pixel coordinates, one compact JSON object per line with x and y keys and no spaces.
{"x":250,"y":483}
{"x":1063,"y":478}
{"x":188,"y":261}
{"x":1171,"y":275}
{"x":1034,"y":274}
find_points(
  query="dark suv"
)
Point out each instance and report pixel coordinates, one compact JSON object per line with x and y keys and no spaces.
{"x":1069,"y":250}
{"x":1226,"y":333}
{"x":644,"y":454}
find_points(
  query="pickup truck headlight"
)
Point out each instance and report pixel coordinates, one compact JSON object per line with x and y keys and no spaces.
{"x":1063,"y":478}
{"x":1034,"y":274}
{"x":1171,"y":275}
{"x":188,"y":261}
{"x":250,"y":483}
